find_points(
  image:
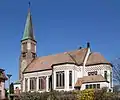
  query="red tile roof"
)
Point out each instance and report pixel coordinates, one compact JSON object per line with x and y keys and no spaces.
{"x":96,"y":58}
{"x":75,"y":57}
{"x":43,"y":63}
{"x":90,"y":79}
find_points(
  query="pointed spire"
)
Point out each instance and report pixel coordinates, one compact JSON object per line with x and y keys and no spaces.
{"x":28,"y":31}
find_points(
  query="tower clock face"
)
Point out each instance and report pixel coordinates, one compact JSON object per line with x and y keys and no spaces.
{"x":23,"y":65}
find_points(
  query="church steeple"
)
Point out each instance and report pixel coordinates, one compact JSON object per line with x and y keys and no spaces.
{"x":28,"y":45}
{"x":28,"y":31}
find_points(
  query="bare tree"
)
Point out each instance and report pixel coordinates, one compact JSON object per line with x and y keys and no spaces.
{"x":116,"y":71}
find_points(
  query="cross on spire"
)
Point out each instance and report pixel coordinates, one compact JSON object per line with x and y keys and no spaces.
{"x":29,"y":4}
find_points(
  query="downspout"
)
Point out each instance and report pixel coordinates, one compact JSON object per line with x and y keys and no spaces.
{"x":86,"y":57}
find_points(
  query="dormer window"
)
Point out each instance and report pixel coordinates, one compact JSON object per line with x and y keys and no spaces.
{"x":92,"y":73}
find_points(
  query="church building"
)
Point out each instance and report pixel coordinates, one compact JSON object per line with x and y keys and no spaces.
{"x":73,"y":70}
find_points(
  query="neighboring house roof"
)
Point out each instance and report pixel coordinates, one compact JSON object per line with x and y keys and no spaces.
{"x":90,"y":79}
{"x":96,"y":58}
{"x":46,"y":62}
{"x":2,"y":75}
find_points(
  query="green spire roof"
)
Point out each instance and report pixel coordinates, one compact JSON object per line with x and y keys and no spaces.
{"x":28,"y":31}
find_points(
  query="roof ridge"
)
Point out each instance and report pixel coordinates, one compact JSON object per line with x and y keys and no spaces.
{"x":71,"y":57}
{"x":61,"y":53}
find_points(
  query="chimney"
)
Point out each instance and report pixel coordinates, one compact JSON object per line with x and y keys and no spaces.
{"x":80,"y":47}
{"x":88,"y":44}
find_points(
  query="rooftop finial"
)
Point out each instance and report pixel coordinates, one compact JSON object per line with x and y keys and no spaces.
{"x":29,"y":4}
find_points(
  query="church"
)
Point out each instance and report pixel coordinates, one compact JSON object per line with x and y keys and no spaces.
{"x":73,"y":70}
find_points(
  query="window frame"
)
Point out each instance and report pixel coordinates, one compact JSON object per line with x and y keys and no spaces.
{"x":111,"y":79}
{"x":26,"y":84}
{"x":70,"y":79}
{"x":33,"y":83}
{"x":92,"y":73}
{"x":60,"y":79}
{"x":87,"y":86}
{"x":92,"y":86}
{"x":98,"y":86}
{"x":105,"y":75}
{"x":42,"y":83}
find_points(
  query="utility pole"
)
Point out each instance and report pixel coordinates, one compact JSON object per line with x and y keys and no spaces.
{"x":9,"y":76}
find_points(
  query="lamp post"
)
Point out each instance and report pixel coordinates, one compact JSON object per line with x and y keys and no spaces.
{"x":9,"y":76}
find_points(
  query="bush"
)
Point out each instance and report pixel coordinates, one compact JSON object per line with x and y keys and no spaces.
{"x":104,"y":95}
{"x":34,"y":96}
{"x":88,"y":94}
{"x":54,"y":95}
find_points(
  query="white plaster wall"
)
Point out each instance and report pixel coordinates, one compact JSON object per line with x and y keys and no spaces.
{"x":66,"y":68}
{"x":17,"y":85}
{"x":100,"y":70}
{"x":76,"y":73}
{"x":46,"y":73}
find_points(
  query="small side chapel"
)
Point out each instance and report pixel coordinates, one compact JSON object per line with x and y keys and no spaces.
{"x":79,"y":69}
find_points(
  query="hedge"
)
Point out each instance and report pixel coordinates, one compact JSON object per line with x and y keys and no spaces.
{"x":88,"y":94}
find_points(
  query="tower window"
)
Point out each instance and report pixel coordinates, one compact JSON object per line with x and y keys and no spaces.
{"x":33,"y":55}
{"x":24,"y":46}
{"x":24,"y":54}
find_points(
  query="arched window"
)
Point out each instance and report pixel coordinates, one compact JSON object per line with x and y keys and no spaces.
{"x":42,"y":83}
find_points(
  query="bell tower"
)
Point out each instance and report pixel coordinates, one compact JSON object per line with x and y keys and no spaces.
{"x":28,"y":45}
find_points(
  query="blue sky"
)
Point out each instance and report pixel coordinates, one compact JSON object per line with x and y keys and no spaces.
{"x":59,"y":25}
